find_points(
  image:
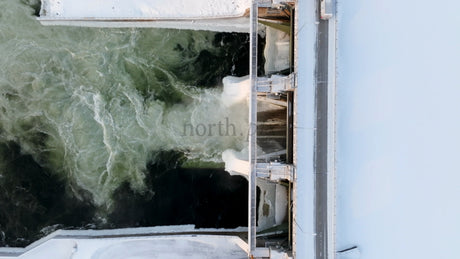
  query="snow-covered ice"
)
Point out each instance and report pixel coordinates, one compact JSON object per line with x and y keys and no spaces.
{"x":162,"y":9}
{"x":398,"y":128}
{"x":180,"y":246}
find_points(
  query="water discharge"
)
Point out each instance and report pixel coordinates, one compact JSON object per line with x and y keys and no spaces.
{"x":95,"y":106}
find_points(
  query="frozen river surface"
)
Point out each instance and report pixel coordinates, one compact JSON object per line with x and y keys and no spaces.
{"x":398,"y":128}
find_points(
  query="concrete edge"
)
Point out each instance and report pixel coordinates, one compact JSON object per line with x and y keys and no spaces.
{"x":331,"y":149}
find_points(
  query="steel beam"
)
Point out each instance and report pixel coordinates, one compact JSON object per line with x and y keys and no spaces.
{"x":252,"y":203}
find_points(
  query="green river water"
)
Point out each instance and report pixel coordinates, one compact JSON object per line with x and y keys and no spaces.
{"x":85,"y":112}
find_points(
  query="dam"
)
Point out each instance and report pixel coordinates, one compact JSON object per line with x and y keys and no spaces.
{"x":289,"y":205}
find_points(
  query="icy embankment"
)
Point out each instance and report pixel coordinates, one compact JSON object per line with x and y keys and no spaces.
{"x":178,"y":246}
{"x":398,"y":128}
{"x":159,"y":9}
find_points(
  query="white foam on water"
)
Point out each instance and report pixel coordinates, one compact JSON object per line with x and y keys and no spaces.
{"x":236,"y":90}
{"x":236,"y":163}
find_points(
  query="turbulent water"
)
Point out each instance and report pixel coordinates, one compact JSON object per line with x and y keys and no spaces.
{"x":92,"y":108}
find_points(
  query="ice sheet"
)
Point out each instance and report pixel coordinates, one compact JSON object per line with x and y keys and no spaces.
{"x":398,"y":128}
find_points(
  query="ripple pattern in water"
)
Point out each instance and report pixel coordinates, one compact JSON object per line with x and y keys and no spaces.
{"x":95,"y":106}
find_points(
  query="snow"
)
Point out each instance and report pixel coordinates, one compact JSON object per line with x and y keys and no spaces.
{"x":266,"y":210}
{"x":158,"y":9}
{"x":274,"y":254}
{"x":138,"y":231}
{"x":212,"y":15}
{"x":62,"y":242}
{"x":304,"y":125}
{"x":331,"y":128}
{"x":239,"y":24}
{"x":398,"y":128}
{"x":181,"y":246}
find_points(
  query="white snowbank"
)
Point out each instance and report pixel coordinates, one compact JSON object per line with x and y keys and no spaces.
{"x":50,"y":248}
{"x":161,"y":9}
{"x":398,"y":128}
{"x":53,"y":249}
{"x":181,"y":246}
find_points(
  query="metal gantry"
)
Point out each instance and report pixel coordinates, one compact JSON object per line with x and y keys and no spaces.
{"x":271,"y":171}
